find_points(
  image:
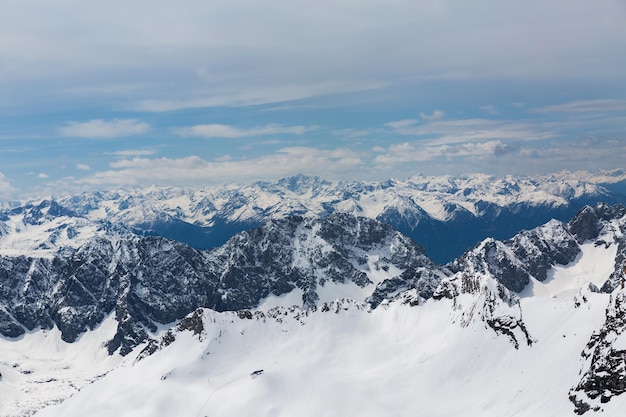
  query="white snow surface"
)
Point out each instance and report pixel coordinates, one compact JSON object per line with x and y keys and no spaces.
{"x":39,"y":369}
{"x":45,"y":239}
{"x":594,"y":264}
{"x":393,"y":361}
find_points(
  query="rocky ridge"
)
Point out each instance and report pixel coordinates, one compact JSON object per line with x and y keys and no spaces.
{"x":148,"y":281}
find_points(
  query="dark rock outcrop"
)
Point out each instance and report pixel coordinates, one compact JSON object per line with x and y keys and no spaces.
{"x":146,"y":281}
{"x":605,"y":360}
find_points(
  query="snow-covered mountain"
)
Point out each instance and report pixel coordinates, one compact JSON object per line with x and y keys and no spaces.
{"x":319,"y":284}
{"x":533,"y":325}
{"x":445,"y":214}
{"x":150,"y":281}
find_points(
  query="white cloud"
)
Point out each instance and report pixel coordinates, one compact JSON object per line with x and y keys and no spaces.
{"x":133,"y":152}
{"x":584,"y":106}
{"x":407,"y":152}
{"x":285,"y":162}
{"x":231,"y":132}
{"x":42,"y":175}
{"x":489,"y":109}
{"x":438,"y":132}
{"x":5,"y":186}
{"x":436,"y":115}
{"x":83,"y":167}
{"x":496,"y":156}
{"x":100,"y":129}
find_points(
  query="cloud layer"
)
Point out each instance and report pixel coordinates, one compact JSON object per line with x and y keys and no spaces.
{"x":193,"y":169}
{"x":101,"y":129}
{"x":231,"y":132}
{"x":158,"y":56}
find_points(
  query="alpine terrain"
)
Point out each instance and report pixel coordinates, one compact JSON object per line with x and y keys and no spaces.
{"x":323,"y":307}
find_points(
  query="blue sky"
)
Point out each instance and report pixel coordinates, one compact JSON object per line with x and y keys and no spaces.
{"x":130,"y":93}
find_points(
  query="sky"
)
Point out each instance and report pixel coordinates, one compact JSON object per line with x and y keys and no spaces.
{"x":132,"y":93}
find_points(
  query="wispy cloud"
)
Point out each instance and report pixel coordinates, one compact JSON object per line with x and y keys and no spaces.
{"x":439,"y":131}
{"x":226,"y":131}
{"x":489,"y":109}
{"x":257,"y":96}
{"x":436,"y":115}
{"x":287,"y":161}
{"x":407,"y":152}
{"x":83,"y":167}
{"x":351,"y":133}
{"x":584,"y":106}
{"x":133,"y":152}
{"x":102,"y":129}
{"x":42,"y":175}
{"x":399,"y":125}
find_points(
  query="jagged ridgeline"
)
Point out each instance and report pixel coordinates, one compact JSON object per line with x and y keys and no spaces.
{"x":146,"y":281}
{"x":446,"y":215}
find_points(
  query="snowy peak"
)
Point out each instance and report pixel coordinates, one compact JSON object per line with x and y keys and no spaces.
{"x":341,"y":256}
{"x":425,"y":208}
{"x":532,"y":255}
{"x":150,"y":281}
{"x":556,"y":260}
{"x":477,"y":297}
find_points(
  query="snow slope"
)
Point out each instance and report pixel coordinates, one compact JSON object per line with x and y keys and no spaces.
{"x":350,"y":361}
{"x":39,"y":369}
{"x":594,"y":265}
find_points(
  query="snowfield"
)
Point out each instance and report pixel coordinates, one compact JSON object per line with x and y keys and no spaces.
{"x":393,"y":361}
{"x":39,"y":369}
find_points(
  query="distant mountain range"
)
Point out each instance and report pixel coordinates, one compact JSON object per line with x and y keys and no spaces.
{"x":446,"y":215}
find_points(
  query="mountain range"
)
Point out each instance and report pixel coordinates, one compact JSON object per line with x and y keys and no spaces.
{"x":310,"y":308}
{"x":446,"y":215}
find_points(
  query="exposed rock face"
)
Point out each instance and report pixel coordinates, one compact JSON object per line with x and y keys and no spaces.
{"x":478,"y":296}
{"x":543,"y":247}
{"x":152,"y":280}
{"x":604,"y":360}
{"x":590,"y":221}
{"x":610,"y":222}
{"x":529,"y":253}
{"x":532,"y":253}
